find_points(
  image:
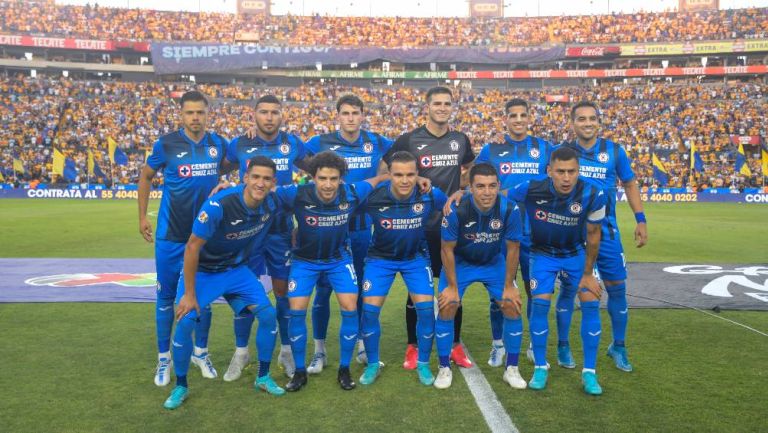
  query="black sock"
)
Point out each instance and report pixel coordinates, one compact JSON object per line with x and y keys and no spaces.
{"x":457,"y":325}
{"x":410,"y":321}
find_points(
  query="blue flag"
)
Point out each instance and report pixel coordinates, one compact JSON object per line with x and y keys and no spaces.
{"x":70,"y":171}
{"x":741,"y":162}
{"x":660,"y":172}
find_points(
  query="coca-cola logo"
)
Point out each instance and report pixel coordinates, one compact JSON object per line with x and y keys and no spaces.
{"x":594,"y":51}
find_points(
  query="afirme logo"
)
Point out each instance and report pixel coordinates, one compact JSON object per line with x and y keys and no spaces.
{"x":756,"y":198}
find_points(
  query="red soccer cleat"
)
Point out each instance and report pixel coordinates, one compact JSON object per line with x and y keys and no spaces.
{"x":459,"y":357}
{"x":411,"y":357}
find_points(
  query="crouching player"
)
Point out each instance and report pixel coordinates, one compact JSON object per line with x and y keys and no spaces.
{"x":399,"y":212}
{"x":216,"y":264}
{"x":473,"y":235}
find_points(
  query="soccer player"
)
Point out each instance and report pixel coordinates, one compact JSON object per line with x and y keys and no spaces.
{"x":563,"y":209}
{"x":399,"y":212}
{"x":442,"y":156}
{"x":603,"y":161}
{"x":228,"y":229}
{"x":190,"y":159}
{"x":474,"y":234}
{"x":323,"y":209}
{"x":363,"y":151}
{"x":519,"y":158}
{"x":287,"y":151}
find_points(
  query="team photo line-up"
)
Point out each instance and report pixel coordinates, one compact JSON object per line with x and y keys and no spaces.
{"x":423,"y":206}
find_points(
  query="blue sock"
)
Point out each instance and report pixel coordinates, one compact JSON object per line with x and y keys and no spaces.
{"x":263,"y":368}
{"x":182,"y":345}
{"x":444,"y":340}
{"x":164,"y":323}
{"x":513,"y":339}
{"x":590,"y":331}
{"x":347,"y":337}
{"x":425,"y":328}
{"x":181,"y":381}
{"x":297,"y":330}
{"x":371,"y":332}
{"x":321,"y":311}
{"x":242,"y":324}
{"x":283,"y":316}
{"x":564,"y":314}
{"x":539,"y":330}
{"x":497,"y":321}
{"x":203,"y":327}
{"x":617,"y":309}
{"x":265,"y":333}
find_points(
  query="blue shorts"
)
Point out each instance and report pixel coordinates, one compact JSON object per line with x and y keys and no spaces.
{"x":380,"y":273}
{"x":257,"y":264}
{"x":304,"y":275}
{"x":490,"y":274}
{"x":278,"y":254}
{"x":610,"y":259}
{"x":169,"y":259}
{"x":544,"y":270}
{"x":239,"y":286}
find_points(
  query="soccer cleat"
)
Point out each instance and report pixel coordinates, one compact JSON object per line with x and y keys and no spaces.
{"x":513,"y":378}
{"x":177,"y":397}
{"x":539,"y":379}
{"x":444,"y":378}
{"x":238,"y":363}
{"x":425,"y":374}
{"x":345,"y":379}
{"x":362,"y":357}
{"x":298,"y":381}
{"x":411,"y":357}
{"x":565,"y":357}
{"x":285,"y":359}
{"x":497,"y":355}
{"x":266,"y":383}
{"x":163,"y":372}
{"x":589,"y":380}
{"x":459,"y":357}
{"x":206,"y":366}
{"x":317,"y":364}
{"x":619,"y":355}
{"x":371,"y":372}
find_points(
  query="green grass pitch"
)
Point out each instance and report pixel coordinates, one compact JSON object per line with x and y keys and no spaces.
{"x":88,"y":367}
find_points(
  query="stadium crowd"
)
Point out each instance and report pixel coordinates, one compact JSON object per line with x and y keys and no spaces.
{"x":96,"y":22}
{"x":657,"y":117}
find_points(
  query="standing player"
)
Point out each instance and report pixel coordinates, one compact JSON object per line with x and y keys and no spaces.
{"x":603,"y":161}
{"x":563,"y":209}
{"x":227,"y":231}
{"x":363,"y":151}
{"x":519,"y":158}
{"x":287,"y":151}
{"x":442,"y":155}
{"x":400,"y":213}
{"x":473,"y":235}
{"x":190,"y":159}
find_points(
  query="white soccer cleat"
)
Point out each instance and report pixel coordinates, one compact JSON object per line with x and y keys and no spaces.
{"x":206,"y":366}
{"x":236,"y":366}
{"x":513,"y":378}
{"x":444,"y":378}
{"x":163,"y":372}
{"x":497,"y":355}
{"x":285,"y":359}
{"x":317,"y":364}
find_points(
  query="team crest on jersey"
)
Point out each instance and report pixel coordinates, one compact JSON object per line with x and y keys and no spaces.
{"x":213,"y":152}
{"x":310,"y":220}
{"x":602,"y":157}
{"x":540,"y":215}
{"x":367,"y":285}
{"x":454,"y":145}
{"x":367,"y":148}
{"x":445,"y":222}
{"x":386,"y":224}
{"x":505,"y":168}
{"x":535,"y":154}
{"x":285,"y":149}
{"x":495,"y":224}
{"x":425,"y":161}
{"x":185,"y":170}
{"x":575,"y":208}
{"x":534,"y":284}
{"x":344,"y":206}
{"x":203,"y":217}
{"x":292,"y":286}
{"x":418,"y":208}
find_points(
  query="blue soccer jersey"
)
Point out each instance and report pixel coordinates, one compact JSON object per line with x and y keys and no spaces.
{"x":190,"y":171}
{"x":398,"y":225}
{"x":232,"y":229}
{"x":480,"y":236}
{"x":517,"y":161}
{"x":323,"y":228}
{"x":558,"y":223}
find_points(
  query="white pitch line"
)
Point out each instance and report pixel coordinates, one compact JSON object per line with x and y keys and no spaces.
{"x":495,"y":416}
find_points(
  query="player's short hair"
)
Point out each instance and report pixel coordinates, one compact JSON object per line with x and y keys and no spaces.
{"x":482,"y":169}
{"x":327,"y":159}
{"x":582,"y":104}
{"x":268,"y":99}
{"x":516,"y":102}
{"x":193,"y":96}
{"x":349,"y":99}
{"x":438,"y":90}
{"x":261,"y":161}
{"x":401,"y":156}
{"x":563,"y":154}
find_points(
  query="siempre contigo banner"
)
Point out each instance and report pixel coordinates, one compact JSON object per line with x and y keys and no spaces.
{"x":177,"y":58}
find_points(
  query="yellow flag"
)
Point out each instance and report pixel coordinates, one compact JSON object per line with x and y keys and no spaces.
{"x":90,"y":163}
{"x":764,"y":158}
{"x":58,"y":162}
{"x":112,"y":145}
{"x":2,"y":178}
{"x":18,"y":166}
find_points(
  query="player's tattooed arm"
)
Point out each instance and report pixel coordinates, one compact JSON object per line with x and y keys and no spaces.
{"x":633,"y":197}
{"x":588,"y":280}
{"x":145,"y":185}
{"x":188,"y":301}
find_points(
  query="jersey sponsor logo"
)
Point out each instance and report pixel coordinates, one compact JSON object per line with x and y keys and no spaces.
{"x":535,"y":154}
{"x":367,"y":285}
{"x":421,"y":146}
{"x":602,"y":157}
{"x":401,"y":223}
{"x":575,"y":208}
{"x":540,"y":215}
{"x":310,"y":220}
{"x":97,"y":279}
{"x":203,"y":217}
{"x":470,"y":224}
{"x":504,"y":153}
{"x":181,"y":155}
{"x":367,"y":148}
{"x":505,"y":168}
{"x":185,"y":170}
{"x":344,"y":206}
{"x":213,"y":152}
{"x":454,"y":145}
{"x":285,"y":149}
{"x":495,"y":224}
{"x":557,"y":219}
{"x":199,"y":169}
{"x":236,"y":222}
{"x":483,"y":237}
{"x":444,"y":223}
{"x":245,"y":234}
{"x":292,"y":286}
{"x":418,"y":208}
{"x":386,"y":224}
{"x":251,"y":150}
{"x":425,"y":161}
